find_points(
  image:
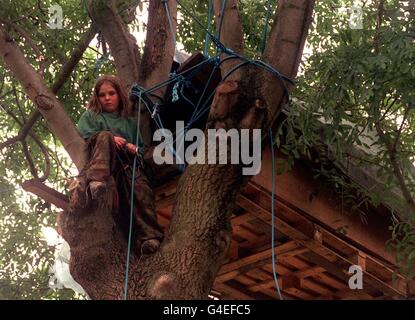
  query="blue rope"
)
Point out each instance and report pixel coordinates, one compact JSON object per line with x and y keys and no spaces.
{"x":213,"y":38}
{"x":99,"y":63}
{"x":132,"y":205}
{"x":273,"y":217}
{"x":173,"y":77}
{"x":199,"y":112}
{"x":208,"y":28}
{"x":264,"y":33}
{"x":137,"y":90}
{"x":203,"y":93}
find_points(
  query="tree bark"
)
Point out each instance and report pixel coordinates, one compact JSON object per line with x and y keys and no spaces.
{"x":231,"y":34}
{"x":160,"y":45}
{"x":158,"y":56}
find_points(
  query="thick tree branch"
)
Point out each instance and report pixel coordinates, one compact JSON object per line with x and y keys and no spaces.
{"x":75,"y":57}
{"x":10,"y":113}
{"x":26,"y":152}
{"x":285,"y":47}
{"x":158,"y":55}
{"x":25,"y":35}
{"x":29,"y":159}
{"x":49,"y":106}
{"x":122,"y":44}
{"x":231,"y":34}
{"x":160,"y":44}
{"x":9,"y":142}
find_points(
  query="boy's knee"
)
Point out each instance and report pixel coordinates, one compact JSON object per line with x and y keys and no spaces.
{"x":105,"y":136}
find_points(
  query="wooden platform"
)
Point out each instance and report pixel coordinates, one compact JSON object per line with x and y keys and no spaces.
{"x":311,"y":261}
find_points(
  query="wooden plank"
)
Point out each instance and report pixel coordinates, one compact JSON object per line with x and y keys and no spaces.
{"x":233,"y":253}
{"x":227,"y":276}
{"x":330,"y":267}
{"x":48,"y":194}
{"x":238,"y":220}
{"x":289,"y":281}
{"x":261,"y":275}
{"x":257,"y":295}
{"x":296,"y":186}
{"x":245,"y":280}
{"x":260,"y":225}
{"x":294,"y":262}
{"x":308,"y":272}
{"x":359,"y":258}
{"x":280,"y":257}
{"x":300,"y":294}
{"x":328,"y":256}
{"x":284,"y":248}
{"x":319,"y":289}
{"x":234,"y":293}
{"x":330,"y":281}
{"x":269,"y":282}
{"x":247,"y":234}
{"x":369,"y":261}
{"x":249,"y":245}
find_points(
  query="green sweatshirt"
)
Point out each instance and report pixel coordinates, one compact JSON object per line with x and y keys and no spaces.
{"x":91,"y":123}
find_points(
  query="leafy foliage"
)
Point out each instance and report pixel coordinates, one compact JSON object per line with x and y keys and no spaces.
{"x":355,"y":103}
{"x":25,"y":257}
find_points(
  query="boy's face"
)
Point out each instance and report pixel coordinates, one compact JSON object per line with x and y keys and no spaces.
{"x":108,"y":97}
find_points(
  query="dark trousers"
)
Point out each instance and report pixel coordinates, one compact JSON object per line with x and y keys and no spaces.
{"x":107,"y":164}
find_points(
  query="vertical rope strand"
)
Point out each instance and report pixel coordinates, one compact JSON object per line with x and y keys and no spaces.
{"x":273,"y":217}
{"x":132,"y":204}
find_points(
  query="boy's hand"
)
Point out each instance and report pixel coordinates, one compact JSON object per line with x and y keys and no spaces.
{"x":120,"y":142}
{"x":131,"y":148}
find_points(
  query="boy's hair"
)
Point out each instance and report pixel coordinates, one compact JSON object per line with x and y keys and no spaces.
{"x":96,"y":106}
